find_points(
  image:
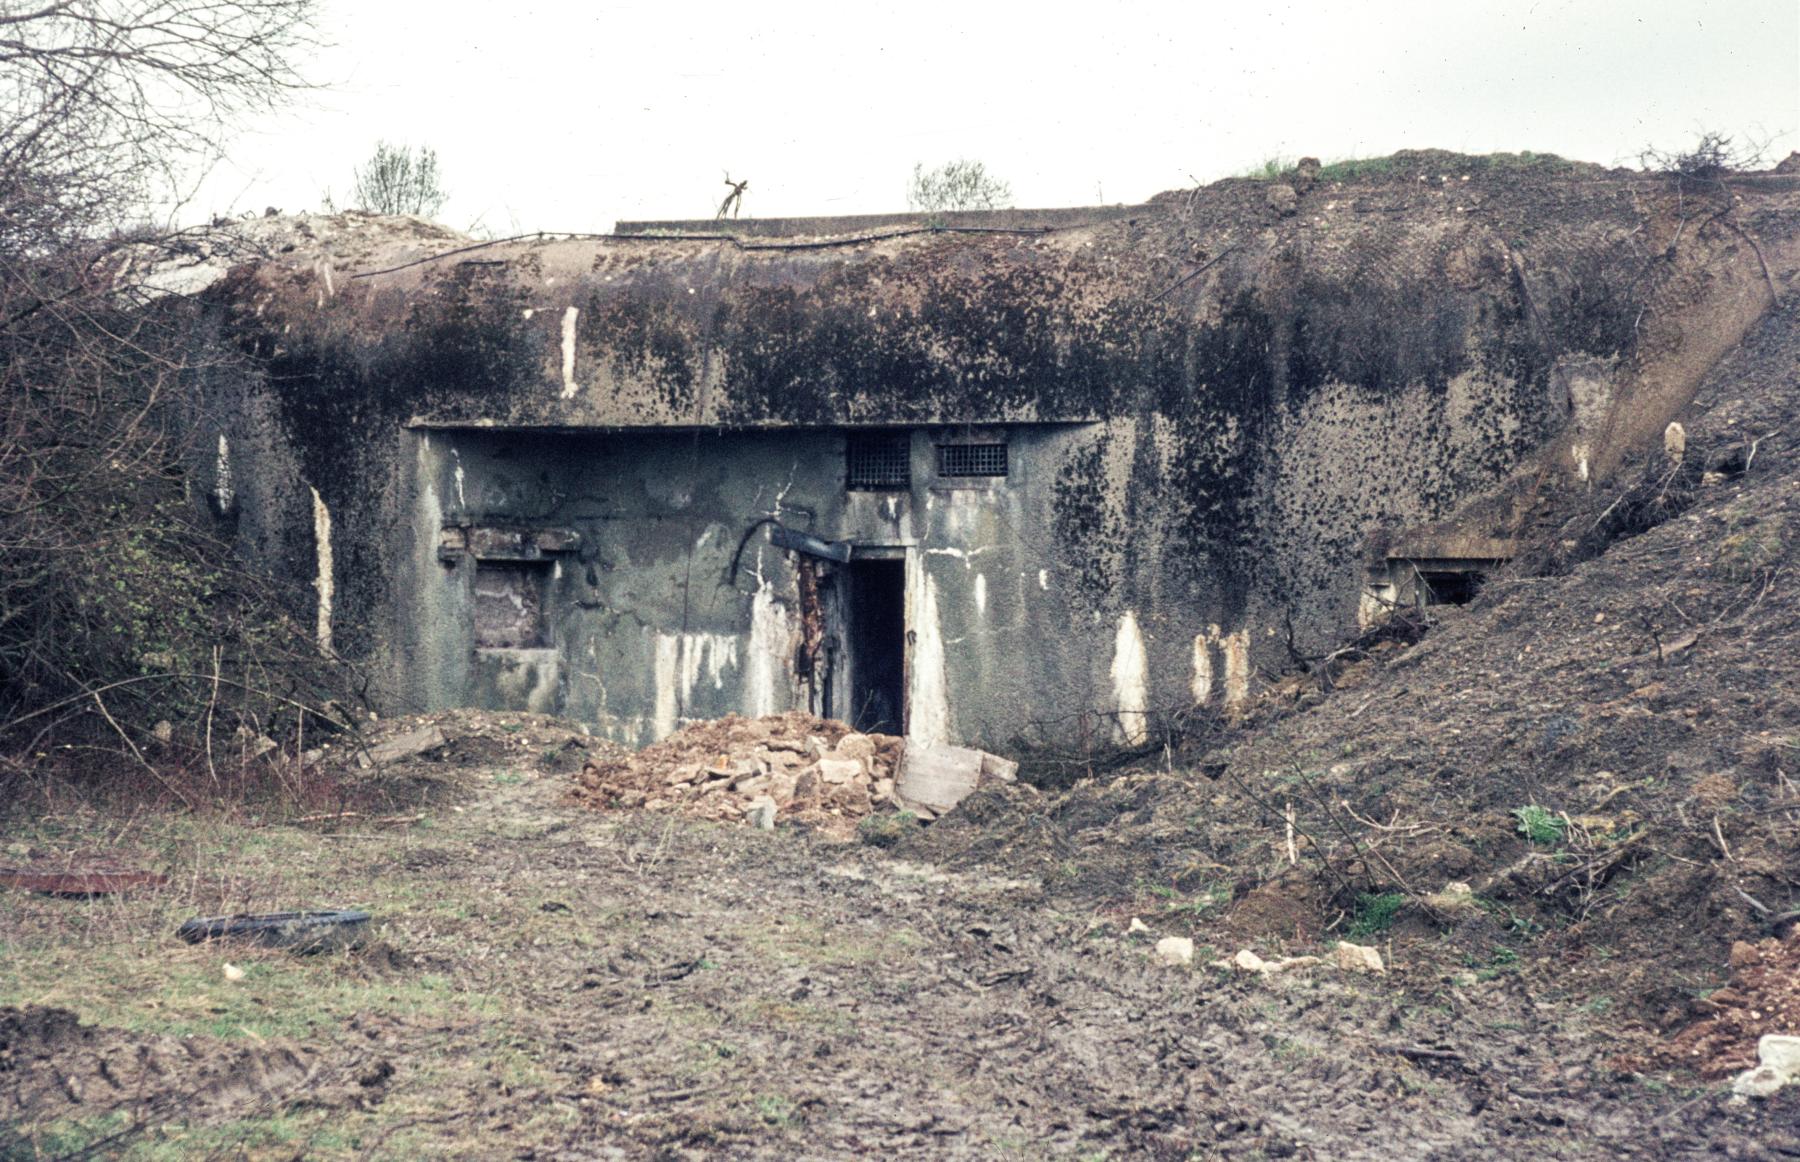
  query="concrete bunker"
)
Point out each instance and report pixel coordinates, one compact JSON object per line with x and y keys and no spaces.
{"x":1425,"y":570}
{"x":1045,"y":479}
{"x":642,"y":579}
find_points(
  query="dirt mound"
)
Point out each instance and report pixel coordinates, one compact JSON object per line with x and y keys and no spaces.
{"x":814,"y":771}
{"x":1763,"y":997}
{"x":1598,"y":758}
{"x":51,"y":1066}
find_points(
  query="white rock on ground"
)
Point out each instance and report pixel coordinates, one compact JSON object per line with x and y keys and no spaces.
{"x":1248,"y":961}
{"x":1357,"y":957}
{"x":1175,"y":951}
{"x":1779,"y":1057}
{"x":760,"y":813}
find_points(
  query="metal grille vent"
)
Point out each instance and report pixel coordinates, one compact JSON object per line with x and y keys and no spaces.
{"x":971,"y":459}
{"x":879,"y":462}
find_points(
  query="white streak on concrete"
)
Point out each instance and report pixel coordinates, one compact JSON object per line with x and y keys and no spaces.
{"x":1203,"y":669}
{"x":980,"y":594}
{"x":570,"y":387}
{"x":1130,"y":678}
{"x":222,"y":486}
{"x":1237,"y":669}
{"x":462,"y":501}
{"x":1044,"y":580}
{"x":928,"y":700}
{"x":668,"y":657}
{"x":323,"y":583}
{"x":771,"y":645}
{"x":679,"y":661}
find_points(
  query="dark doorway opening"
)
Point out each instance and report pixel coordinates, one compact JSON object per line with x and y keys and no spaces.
{"x":877,"y":646}
{"x":1446,"y":588}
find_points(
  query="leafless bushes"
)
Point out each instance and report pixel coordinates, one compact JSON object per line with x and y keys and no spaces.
{"x":118,"y":609}
{"x":399,"y":180}
{"x":956,"y":185}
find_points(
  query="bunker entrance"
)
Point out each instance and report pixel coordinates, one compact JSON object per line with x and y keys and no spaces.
{"x":874,"y":606}
{"x":1448,"y":587}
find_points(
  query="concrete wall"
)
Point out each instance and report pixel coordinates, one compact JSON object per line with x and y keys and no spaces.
{"x":670,"y":603}
{"x":1217,"y":402}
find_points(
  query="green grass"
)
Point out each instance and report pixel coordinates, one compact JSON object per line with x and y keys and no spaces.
{"x":1541,"y":825}
{"x":1374,"y":914}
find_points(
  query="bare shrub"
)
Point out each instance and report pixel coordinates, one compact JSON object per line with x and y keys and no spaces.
{"x":956,"y":185}
{"x":118,"y":605}
{"x":398,"y":179}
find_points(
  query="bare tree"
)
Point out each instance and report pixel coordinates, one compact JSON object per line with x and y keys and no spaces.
{"x":398,"y":180}
{"x":108,"y":574}
{"x":956,"y":185}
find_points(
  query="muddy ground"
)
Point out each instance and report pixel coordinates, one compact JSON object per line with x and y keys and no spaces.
{"x":544,"y":980}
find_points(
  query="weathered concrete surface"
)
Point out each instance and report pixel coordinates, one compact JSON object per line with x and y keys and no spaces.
{"x":1213,"y":406}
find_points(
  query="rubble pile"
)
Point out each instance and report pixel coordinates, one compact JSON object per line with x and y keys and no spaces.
{"x":789,"y":767}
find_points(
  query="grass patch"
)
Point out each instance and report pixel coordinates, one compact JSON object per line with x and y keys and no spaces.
{"x":1374,"y":914}
{"x":1541,"y":825}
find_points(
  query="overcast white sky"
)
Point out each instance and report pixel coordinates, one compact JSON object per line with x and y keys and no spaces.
{"x":567,"y":116}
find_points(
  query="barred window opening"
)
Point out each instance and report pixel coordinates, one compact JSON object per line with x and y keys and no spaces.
{"x":879,"y":462}
{"x":972,"y":460}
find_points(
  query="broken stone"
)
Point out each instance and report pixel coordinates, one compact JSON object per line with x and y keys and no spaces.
{"x":856,"y":746}
{"x":1780,"y":1051}
{"x":1456,"y":896}
{"x":164,"y":731}
{"x":1762,"y":1081}
{"x":938,"y":776}
{"x":1136,"y":927}
{"x":1283,"y":200}
{"x":838,"y":771}
{"x":882,"y":790}
{"x":1248,"y":961}
{"x":1175,"y":951}
{"x":755,"y":785}
{"x":1357,"y":958}
{"x":993,"y":767}
{"x":782,"y":786}
{"x":760,"y":813}
{"x":405,"y":746}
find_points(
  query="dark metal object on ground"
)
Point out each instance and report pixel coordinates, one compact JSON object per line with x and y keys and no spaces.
{"x":294,"y":931}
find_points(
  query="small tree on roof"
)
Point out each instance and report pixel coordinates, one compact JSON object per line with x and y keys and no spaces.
{"x":956,"y":185}
{"x":396,"y":180}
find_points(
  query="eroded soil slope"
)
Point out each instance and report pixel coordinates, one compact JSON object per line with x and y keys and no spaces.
{"x":1603,"y":751}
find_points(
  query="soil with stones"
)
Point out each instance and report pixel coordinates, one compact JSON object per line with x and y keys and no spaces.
{"x":655,"y":986}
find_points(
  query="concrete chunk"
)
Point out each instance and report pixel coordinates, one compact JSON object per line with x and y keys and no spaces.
{"x":994,"y":767}
{"x":938,"y":776}
{"x":1175,"y":951}
{"x":760,"y":814}
{"x":1357,"y":957}
{"x":405,"y":746}
{"x":837,"y":771}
